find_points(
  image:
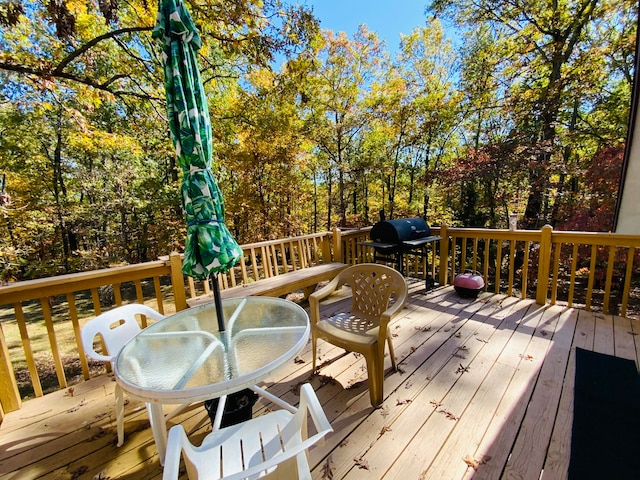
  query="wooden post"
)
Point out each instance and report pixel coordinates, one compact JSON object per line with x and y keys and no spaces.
{"x":177,"y":281}
{"x":337,"y":246}
{"x":443,"y":269}
{"x":544,"y":265}
{"x":9,"y":395}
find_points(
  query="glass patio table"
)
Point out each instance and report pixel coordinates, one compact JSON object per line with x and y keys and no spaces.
{"x":183,"y":358}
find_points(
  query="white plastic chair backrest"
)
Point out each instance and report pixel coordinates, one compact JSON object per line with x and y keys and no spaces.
{"x":117,"y":327}
{"x":292,"y":436}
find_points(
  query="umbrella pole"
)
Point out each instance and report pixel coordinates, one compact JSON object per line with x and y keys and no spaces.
{"x":218,"y":302}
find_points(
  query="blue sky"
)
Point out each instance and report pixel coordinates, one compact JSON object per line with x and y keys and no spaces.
{"x":388,"y":18}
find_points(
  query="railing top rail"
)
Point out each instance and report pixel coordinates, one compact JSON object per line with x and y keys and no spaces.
{"x":284,"y":240}
{"x":557,"y":236}
{"x":494,"y":233}
{"x":355,"y":231}
{"x":22,"y":291}
{"x":597,"y":238}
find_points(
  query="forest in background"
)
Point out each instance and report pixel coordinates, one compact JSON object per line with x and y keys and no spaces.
{"x":526,"y":111}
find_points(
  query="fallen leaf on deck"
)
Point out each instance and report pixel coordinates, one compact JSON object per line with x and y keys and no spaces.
{"x":100,"y":432}
{"x":325,"y":379}
{"x":327,"y":468}
{"x":384,"y":430}
{"x":70,"y":391}
{"x":448,"y":414}
{"x":472,"y":462}
{"x":458,"y":334}
{"x":296,"y":388}
{"x":462,"y":369}
{"x":526,"y":357}
{"x":77,"y":407}
{"x":77,"y":473}
{"x":298,"y":360}
{"x":435,"y":403}
{"x":361,"y":463}
{"x":403,"y":401}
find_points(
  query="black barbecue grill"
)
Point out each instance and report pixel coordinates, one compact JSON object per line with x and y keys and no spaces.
{"x":392,"y":239}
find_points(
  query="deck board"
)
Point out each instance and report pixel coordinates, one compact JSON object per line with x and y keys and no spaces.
{"x":488,"y":379}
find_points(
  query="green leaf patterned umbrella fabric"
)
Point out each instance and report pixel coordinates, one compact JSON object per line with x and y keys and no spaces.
{"x":209,"y":246}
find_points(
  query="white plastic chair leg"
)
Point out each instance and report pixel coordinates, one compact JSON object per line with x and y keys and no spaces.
{"x":158,"y":428}
{"x":119,"y":394}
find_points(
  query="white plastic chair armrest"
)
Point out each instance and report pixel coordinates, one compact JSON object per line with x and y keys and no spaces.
{"x":104,"y":358}
{"x":309,"y":401}
{"x":177,"y":437}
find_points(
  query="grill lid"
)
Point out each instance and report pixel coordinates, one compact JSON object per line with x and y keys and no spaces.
{"x":399,"y":230}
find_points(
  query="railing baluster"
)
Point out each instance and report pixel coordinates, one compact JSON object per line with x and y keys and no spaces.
{"x":485,"y":270}
{"x":572,"y":278}
{"x":627,"y":281}
{"x":592,"y":275}
{"x":28,"y":352}
{"x":512,"y":260}
{"x":53,"y":342}
{"x":73,"y":314}
{"x":525,"y":270}
{"x":254,"y":264}
{"x":117,"y":295}
{"x":498,"y":265}
{"x":607,"y":286}
{"x":555,"y":255}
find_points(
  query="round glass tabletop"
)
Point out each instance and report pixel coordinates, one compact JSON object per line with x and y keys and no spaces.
{"x":185,"y":358}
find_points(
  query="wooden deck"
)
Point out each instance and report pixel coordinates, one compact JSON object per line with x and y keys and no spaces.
{"x":487,"y":380}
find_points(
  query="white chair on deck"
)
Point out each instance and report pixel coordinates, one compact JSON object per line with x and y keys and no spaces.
{"x":116,"y":327}
{"x":274,"y":444}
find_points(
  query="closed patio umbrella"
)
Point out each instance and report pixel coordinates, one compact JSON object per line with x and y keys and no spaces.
{"x":209,"y":246}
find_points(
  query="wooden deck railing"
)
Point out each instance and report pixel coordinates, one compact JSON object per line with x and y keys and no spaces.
{"x":547,"y":265}
{"x":61,"y":304}
{"x":580,"y":268}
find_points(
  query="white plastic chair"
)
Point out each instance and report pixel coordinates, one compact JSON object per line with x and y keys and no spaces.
{"x":116,"y":327}
{"x":252,"y":449}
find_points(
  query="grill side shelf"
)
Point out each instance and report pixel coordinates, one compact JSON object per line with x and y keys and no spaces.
{"x":421,"y":241}
{"x":379,"y":244}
